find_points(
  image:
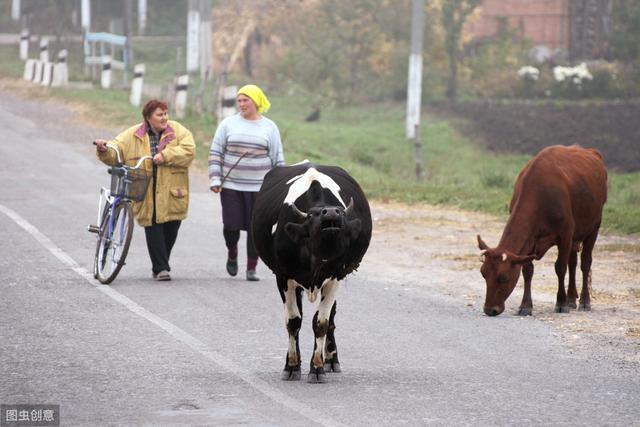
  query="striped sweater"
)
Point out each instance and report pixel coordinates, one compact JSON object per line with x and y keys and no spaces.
{"x":254,"y":146}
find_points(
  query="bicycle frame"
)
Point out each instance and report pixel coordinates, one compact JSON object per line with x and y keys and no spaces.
{"x":108,"y":201}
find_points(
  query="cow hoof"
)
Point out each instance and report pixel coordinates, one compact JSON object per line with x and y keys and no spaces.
{"x":290,"y":375}
{"x":332,"y":367}
{"x":584,"y":307}
{"x":562,"y":309}
{"x":317,"y":376}
{"x":573,"y":305}
{"x":524,"y":311}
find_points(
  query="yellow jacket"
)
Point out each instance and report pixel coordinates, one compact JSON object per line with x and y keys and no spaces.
{"x":172,"y":186}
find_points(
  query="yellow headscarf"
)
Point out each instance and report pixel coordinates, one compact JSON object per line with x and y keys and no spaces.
{"x":257,"y":96}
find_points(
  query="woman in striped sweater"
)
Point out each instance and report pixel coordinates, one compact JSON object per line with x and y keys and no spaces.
{"x":244,"y":148}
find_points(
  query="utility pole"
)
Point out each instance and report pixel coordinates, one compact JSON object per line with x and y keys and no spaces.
{"x":414,"y":84}
{"x":85,"y":24}
{"x":193,"y":37}
{"x":205,"y":39}
{"x":15,"y":10}
{"x":128,"y":33}
{"x":142,"y":16}
{"x":205,"y":53}
{"x":85,"y":13}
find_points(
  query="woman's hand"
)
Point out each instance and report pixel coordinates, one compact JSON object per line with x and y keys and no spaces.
{"x":215,"y":189}
{"x":158,"y":159}
{"x":101,"y":145}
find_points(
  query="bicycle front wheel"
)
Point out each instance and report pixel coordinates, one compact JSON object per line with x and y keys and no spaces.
{"x":113,"y":242}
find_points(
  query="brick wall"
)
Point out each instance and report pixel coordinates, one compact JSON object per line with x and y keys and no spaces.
{"x":544,"y":22}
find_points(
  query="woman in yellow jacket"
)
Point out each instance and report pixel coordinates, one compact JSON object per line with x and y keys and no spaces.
{"x":164,"y":207}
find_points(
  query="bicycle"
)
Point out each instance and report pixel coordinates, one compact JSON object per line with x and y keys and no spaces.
{"x":115,"y":216}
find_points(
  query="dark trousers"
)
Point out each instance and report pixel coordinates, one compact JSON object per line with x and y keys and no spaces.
{"x":237,"y":207}
{"x":231,"y":238}
{"x":160,"y":241}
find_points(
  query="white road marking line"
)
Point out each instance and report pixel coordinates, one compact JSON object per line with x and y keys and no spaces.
{"x":173,"y":330}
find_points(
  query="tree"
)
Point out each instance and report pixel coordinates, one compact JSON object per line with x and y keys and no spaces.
{"x":454,"y":14}
{"x":329,"y":50}
{"x":625,"y":31}
{"x":589,"y":23}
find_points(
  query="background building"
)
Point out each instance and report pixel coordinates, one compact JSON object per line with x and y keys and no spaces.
{"x":576,"y":27}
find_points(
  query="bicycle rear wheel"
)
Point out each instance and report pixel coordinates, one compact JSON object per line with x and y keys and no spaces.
{"x":113,"y":242}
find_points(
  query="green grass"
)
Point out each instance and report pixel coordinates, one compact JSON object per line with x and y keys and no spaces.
{"x":622,"y":211}
{"x":368,"y":141}
{"x":10,"y":63}
{"x":161,"y":62}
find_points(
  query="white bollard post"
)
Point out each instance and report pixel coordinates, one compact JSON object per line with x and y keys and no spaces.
{"x":44,"y":49}
{"x":29,"y":70}
{"x":24,"y":45}
{"x":229,"y":101}
{"x":136,"y":85}
{"x":105,"y":77}
{"x":182,"y":87}
{"x":61,"y":70}
{"x":37,"y":74}
{"x":47,"y":73}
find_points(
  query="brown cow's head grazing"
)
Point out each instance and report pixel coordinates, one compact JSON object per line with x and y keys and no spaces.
{"x":501,"y":270}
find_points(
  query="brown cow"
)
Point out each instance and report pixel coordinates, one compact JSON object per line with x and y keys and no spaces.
{"x":557,"y":200}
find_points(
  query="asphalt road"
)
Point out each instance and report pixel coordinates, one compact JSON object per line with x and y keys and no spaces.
{"x":207,"y":349}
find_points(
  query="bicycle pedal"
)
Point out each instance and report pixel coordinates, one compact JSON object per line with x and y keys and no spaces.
{"x":93,"y":229}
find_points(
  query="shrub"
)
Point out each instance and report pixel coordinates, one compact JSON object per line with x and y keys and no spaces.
{"x":528,"y":77}
{"x":570,"y":81}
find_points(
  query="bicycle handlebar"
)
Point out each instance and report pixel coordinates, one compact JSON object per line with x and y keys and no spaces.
{"x":115,"y":148}
{"x":142,"y":159}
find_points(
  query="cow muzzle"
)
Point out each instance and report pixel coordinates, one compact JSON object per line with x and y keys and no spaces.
{"x":493,"y":311}
{"x":331,"y":219}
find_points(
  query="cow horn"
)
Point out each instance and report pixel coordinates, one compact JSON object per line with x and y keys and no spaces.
{"x":349,"y":208}
{"x":298,"y":211}
{"x":504,"y":257}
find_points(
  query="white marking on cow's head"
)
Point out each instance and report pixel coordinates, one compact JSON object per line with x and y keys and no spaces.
{"x":301,"y":183}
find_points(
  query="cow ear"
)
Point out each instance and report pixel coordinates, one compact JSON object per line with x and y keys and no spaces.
{"x":481,"y":244}
{"x":354,"y":227}
{"x":296,"y":232}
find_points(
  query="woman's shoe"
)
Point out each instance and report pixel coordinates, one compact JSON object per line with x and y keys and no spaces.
{"x":163,"y":276}
{"x":251,"y":276}
{"x":232,"y":266}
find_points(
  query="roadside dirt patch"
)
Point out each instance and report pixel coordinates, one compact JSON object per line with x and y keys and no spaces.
{"x":427,"y":246}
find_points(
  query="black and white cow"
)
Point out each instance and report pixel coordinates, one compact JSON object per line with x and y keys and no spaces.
{"x":311,"y":227}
